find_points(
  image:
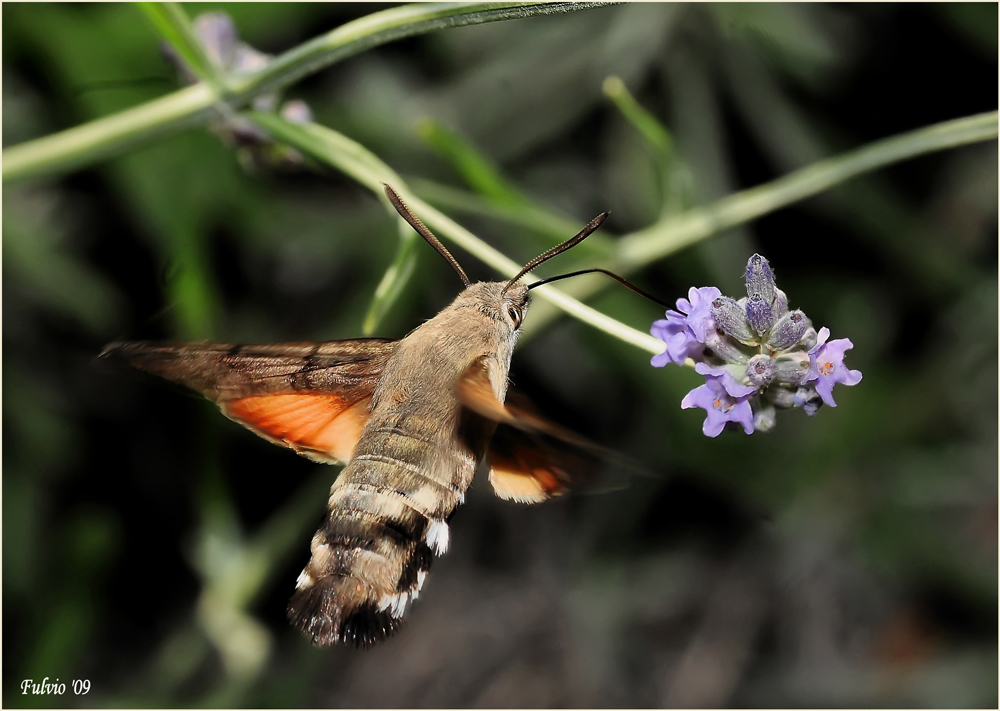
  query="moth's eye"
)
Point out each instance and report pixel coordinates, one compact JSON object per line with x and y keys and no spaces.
{"x":514,"y":316}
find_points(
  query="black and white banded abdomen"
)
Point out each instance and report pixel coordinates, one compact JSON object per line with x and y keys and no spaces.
{"x":387,"y":517}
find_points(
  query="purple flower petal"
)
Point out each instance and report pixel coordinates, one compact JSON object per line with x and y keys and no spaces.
{"x":720,"y":407}
{"x":821,"y":337}
{"x":680,"y":342}
{"x":699,"y":313}
{"x":685,"y":331}
{"x":826,"y":366}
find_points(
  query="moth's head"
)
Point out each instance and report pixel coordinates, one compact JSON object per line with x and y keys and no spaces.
{"x":500,"y":304}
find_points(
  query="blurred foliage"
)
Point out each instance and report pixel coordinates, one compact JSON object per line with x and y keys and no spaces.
{"x":846,"y":560}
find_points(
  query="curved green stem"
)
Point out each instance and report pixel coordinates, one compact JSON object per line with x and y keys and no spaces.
{"x":91,"y":142}
{"x":669,"y":235}
{"x":82,"y":145}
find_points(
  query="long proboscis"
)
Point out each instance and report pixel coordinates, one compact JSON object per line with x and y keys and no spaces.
{"x":614,"y":276}
{"x":559,"y":248}
{"x":416,"y":224}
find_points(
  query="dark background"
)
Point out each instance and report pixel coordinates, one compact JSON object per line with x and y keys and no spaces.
{"x":150,"y":545}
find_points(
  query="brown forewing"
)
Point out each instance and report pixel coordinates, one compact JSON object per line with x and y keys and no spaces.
{"x":311,"y":397}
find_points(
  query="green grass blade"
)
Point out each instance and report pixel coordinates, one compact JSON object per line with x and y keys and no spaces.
{"x":655,"y":133}
{"x":476,"y":169}
{"x":397,"y":276}
{"x":86,"y":144}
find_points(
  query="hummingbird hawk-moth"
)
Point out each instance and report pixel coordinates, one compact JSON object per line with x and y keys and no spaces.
{"x":411,"y":420}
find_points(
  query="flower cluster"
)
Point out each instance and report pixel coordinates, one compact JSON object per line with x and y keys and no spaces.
{"x":255,"y":150}
{"x":757,"y":356}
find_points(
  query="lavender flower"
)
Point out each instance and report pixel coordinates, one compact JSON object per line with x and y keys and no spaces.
{"x":826,"y":365}
{"x":756,"y":355}
{"x":684,"y":331}
{"x":721,"y":406}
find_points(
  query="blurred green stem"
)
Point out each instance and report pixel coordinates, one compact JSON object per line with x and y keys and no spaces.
{"x":650,"y":128}
{"x":83,"y":145}
{"x":86,"y":144}
{"x":667,"y":236}
{"x":394,"y":280}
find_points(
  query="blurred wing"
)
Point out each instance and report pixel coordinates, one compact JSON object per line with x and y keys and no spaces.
{"x":530,"y":468}
{"x":531,"y":459}
{"x":311,"y":397}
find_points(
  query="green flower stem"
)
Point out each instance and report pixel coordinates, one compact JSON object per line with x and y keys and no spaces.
{"x":91,"y":142}
{"x":83,"y":145}
{"x":386,"y":26}
{"x":670,"y":235}
{"x":337,"y":150}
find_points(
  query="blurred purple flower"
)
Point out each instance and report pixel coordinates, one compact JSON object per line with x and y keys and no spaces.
{"x":721,"y":405}
{"x":826,"y":365}
{"x":684,"y":331}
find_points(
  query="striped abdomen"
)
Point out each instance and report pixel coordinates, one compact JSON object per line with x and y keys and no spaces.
{"x":387,"y":516}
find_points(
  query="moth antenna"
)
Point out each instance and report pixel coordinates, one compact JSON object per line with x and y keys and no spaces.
{"x":559,"y":248}
{"x":416,"y":224}
{"x":614,"y":276}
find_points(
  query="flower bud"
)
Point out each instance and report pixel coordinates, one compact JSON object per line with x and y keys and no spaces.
{"x":791,"y":368}
{"x":216,"y":33}
{"x":760,"y":279}
{"x":759,"y":314}
{"x":781,"y":397}
{"x":764,"y":419}
{"x":296,"y":111}
{"x":808,"y":399}
{"x":780,"y":305}
{"x":760,"y":370}
{"x":809,"y":339}
{"x":725,"y":348}
{"x":732,"y":319}
{"x":788,"y":330}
